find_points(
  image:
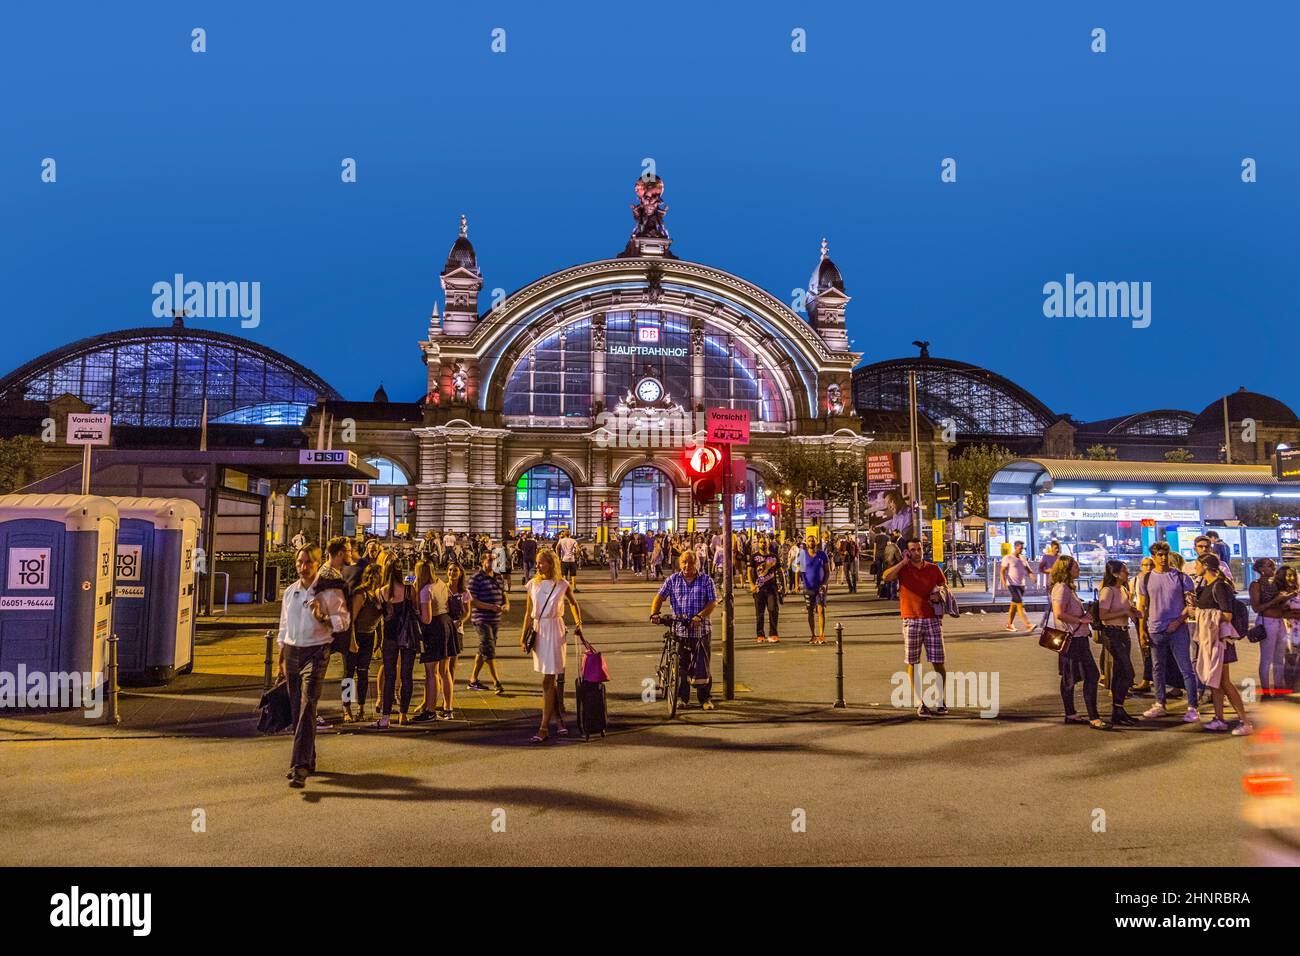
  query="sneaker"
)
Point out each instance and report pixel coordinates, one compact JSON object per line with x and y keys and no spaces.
{"x":424,"y":715}
{"x":501,"y":690}
{"x":923,"y":711}
{"x":941,"y":710}
{"x":476,"y":685}
{"x":708,"y":705}
{"x":1216,"y":724}
{"x":760,"y":640}
{"x":299,"y":778}
{"x":382,"y":723}
{"x":1192,"y":716}
{"x":1009,"y":627}
{"x":1155,"y":710}
{"x":774,"y":640}
{"x":1243,"y":729}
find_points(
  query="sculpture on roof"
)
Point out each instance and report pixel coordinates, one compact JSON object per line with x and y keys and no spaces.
{"x":649,"y":209}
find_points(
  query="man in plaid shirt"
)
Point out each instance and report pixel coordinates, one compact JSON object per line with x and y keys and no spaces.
{"x":693,"y":599}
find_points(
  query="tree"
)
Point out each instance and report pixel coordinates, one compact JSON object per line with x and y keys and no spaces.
{"x":1100,"y":453}
{"x":818,"y":471}
{"x":1179,"y":455}
{"x":973,"y":469}
{"x":18,"y":458}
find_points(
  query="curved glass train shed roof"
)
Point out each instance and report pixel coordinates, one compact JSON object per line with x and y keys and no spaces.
{"x":160,"y":376}
{"x":976,"y":400}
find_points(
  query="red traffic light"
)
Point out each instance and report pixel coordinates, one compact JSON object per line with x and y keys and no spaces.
{"x":774,"y":506}
{"x":607,"y":511}
{"x":410,"y":504}
{"x":703,"y":460}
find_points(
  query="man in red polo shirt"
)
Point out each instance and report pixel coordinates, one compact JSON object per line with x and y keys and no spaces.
{"x":917,"y":579}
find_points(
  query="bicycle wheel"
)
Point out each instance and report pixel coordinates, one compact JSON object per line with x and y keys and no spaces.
{"x":661,"y":672}
{"x":674,"y":662}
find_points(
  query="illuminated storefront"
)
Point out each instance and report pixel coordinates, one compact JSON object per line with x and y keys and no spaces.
{"x":1103,"y":510}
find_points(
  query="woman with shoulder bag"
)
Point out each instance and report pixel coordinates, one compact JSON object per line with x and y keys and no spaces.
{"x":1115,"y":609}
{"x":435,"y":641}
{"x":543,"y":636}
{"x":1268,"y":598}
{"x":1215,"y":638}
{"x":1075,"y":663}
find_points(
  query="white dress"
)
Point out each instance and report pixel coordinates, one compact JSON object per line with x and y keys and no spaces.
{"x":550,"y":650}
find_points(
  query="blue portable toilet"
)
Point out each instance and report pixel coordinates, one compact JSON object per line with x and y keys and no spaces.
{"x":56,"y":568}
{"x":154,"y":588}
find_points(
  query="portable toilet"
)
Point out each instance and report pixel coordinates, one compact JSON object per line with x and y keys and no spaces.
{"x":56,"y":606}
{"x":154,"y":589}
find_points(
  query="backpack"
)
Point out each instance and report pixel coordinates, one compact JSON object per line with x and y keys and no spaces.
{"x":1240,"y":616}
{"x":368,"y":615}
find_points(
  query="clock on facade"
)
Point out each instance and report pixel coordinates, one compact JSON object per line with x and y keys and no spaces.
{"x":649,"y":390}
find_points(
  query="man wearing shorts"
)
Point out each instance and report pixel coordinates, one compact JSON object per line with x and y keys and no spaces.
{"x":567,"y":546}
{"x":917,"y":579}
{"x":487,"y":597}
{"x":1014,"y":573}
{"x":814,"y":576}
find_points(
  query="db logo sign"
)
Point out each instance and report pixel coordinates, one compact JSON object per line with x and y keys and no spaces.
{"x":128,"y":562}
{"x":29,"y":569}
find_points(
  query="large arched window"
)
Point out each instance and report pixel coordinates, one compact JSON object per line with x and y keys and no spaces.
{"x":553,"y":379}
{"x":544,"y":501}
{"x":390,"y":473}
{"x":645,"y":500}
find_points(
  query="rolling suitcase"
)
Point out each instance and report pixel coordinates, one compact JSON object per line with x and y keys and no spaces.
{"x":591,"y":707}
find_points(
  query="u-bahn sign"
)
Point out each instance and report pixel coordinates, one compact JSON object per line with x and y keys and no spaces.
{"x":727,"y":426}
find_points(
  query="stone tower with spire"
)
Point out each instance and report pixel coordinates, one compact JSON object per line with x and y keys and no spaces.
{"x":826,"y":301}
{"x":461,"y":281}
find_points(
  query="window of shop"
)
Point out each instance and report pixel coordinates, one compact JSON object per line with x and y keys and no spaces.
{"x":1098,"y":528}
{"x":749,"y":507}
{"x":544,"y":501}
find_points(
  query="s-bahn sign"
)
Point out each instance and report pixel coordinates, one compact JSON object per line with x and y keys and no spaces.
{"x":321,"y":457}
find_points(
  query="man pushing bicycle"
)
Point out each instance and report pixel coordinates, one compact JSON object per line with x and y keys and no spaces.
{"x":693,"y":599}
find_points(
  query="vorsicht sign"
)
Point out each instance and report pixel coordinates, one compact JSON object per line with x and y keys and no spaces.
{"x":88,"y":429}
{"x":727,"y":426}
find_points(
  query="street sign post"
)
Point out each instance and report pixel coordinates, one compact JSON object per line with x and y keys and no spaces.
{"x":87,"y":431}
{"x":727,"y":427}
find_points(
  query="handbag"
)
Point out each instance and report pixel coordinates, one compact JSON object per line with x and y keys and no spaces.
{"x":529,"y":638}
{"x":1256,"y":632}
{"x":594,"y":669}
{"x":1054,"y":638}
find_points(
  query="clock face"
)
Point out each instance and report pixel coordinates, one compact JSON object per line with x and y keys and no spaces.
{"x":649,"y":390}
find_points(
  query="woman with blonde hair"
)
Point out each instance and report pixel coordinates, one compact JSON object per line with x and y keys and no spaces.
{"x":434,"y":641}
{"x":547,"y":595}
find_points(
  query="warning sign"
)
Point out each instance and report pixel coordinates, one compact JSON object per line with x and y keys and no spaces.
{"x":727,"y":426}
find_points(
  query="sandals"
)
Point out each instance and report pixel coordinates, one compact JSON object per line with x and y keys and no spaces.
{"x":538,"y":738}
{"x":562,"y":731}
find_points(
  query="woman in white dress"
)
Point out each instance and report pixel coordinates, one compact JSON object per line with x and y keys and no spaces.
{"x":548,"y":593}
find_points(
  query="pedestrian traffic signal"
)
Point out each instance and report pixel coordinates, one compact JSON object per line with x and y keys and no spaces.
{"x":774,"y":506}
{"x":703,"y":464}
{"x":607,"y":511}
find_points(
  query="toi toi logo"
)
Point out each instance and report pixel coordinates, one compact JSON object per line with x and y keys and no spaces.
{"x":29,"y":568}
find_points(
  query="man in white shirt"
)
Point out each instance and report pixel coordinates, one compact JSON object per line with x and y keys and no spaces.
{"x":567,"y":548}
{"x":1014,"y":574}
{"x":308,"y":622}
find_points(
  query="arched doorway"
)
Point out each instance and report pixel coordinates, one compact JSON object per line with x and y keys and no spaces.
{"x":645,"y":500}
{"x":544,"y":501}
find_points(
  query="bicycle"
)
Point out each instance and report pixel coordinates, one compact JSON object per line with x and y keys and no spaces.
{"x":678,"y":653}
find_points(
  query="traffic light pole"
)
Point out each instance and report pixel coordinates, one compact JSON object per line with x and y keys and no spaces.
{"x":728,"y":608}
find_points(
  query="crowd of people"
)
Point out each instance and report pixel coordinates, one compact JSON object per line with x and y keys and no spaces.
{"x":403,"y":606}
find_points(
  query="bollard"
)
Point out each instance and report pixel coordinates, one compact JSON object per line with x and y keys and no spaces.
{"x":839,"y":666}
{"x":111,"y":714}
{"x":266,"y":667}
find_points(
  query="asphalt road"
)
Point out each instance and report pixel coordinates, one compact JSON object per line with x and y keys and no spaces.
{"x":775,"y":777}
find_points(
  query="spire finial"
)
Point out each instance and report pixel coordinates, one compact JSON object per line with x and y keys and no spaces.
{"x":464,"y":225}
{"x":825,"y":250}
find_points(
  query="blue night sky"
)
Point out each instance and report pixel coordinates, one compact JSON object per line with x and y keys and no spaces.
{"x":1122,"y":166}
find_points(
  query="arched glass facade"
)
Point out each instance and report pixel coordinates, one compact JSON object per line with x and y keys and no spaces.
{"x":160,"y":377}
{"x":544,"y":501}
{"x":554,"y":379}
{"x":976,"y":400}
{"x":390,"y":473}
